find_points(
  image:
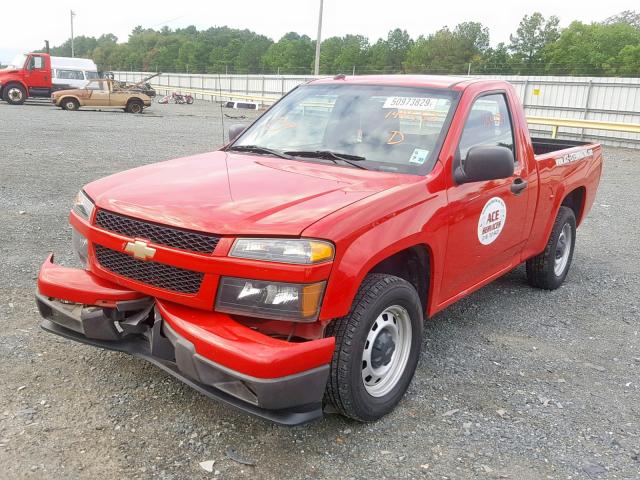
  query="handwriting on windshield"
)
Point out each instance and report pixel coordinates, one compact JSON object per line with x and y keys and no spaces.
{"x":395,"y":138}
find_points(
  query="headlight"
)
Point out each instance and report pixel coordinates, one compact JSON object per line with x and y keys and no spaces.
{"x":299,"y":251}
{"x":274,"y":300}
{"x":83,"y":205}
{"x":80,"y":247}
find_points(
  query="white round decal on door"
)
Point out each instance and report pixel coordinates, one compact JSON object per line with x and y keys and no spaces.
{"x":492,"y":220}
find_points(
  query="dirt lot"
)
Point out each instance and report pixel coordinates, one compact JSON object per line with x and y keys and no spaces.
{"x":513,"y":382}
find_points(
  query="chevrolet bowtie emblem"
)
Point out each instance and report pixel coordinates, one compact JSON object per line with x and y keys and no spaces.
{"x":140,"y":250}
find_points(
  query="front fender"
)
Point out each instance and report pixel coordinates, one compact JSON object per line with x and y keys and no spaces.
{"x":8,"y":80}
{"x":420,"y":224}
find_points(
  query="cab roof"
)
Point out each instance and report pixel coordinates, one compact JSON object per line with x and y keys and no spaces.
{"x":428,"y":81}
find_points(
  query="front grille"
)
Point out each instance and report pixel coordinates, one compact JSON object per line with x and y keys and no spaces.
{"x":160,"y":234}
{"x":152,"y":273}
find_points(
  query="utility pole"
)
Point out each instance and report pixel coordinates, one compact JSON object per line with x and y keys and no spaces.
{"x":316,"y":70}
{"x":72,"y":51}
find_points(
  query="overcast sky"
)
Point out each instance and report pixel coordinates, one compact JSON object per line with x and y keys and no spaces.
{"x":46,"y":19}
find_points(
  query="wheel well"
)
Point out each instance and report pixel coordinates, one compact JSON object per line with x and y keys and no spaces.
{"x":413,"y":265}
{"x":134,"y":99}
{"x":575,"y":201}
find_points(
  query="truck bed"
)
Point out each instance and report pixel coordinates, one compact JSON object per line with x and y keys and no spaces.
{"x":543,"y":146}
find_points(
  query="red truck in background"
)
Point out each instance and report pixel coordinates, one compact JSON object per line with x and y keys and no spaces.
{"x":295,"y":265}
{"x":40,"y":74}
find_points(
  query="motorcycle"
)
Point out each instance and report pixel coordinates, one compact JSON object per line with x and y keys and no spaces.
{"x":176,"y":98}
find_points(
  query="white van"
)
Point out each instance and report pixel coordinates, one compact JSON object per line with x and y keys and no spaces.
{"x":68,"y":73}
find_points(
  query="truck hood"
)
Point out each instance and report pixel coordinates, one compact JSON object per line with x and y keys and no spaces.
{"x":238,"y":194}
{"x":7,"y":72}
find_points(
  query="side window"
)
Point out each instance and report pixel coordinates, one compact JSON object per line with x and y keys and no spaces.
{"x":70,"y":74}
{"x":488,"y":123}
{"x":36,"y":63}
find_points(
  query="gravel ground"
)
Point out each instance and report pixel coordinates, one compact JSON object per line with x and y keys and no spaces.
{"x":513,"y":382}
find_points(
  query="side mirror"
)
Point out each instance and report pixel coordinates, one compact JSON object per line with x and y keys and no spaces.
{"x":235,"y":131}
{"x":485,"y":163}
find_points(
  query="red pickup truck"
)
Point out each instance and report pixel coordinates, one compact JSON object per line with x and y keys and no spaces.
{"x":294,"y":267}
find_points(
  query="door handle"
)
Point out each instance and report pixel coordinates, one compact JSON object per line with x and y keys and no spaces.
{"x":518,"y":186}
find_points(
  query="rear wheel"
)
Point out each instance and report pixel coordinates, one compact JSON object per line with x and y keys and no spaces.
{"x":15,"y":94}
{"x":377,"y":348}
{"x":549,"y":269}
{"x":134,"y":106}
{"x":70,"y":104}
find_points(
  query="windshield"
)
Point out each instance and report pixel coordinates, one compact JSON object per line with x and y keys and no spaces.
{"x":17,"y":62}
{"x":384,"y":127}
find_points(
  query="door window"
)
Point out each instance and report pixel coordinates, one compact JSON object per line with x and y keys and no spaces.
{"x":96,"y":85}
{"x":36,"y":63}
{"x":489,"y":123}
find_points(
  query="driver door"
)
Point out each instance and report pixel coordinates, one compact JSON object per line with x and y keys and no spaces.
{"x":37,"y":75}
{"x":98,"y":94}
{"x":486,"y":232}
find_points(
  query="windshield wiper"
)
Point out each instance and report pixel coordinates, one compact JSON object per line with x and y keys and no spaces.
{"x":260,"y":150}
{"x":329,"y":155}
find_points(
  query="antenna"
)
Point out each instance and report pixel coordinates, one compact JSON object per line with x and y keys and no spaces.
{"x":222,"y":122}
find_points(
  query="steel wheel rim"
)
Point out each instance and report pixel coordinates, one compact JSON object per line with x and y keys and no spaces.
{"x":563,"y":249}
{"x":15,"y":94}
{"x":382,"y":369}
{"x":71,"y":106}
{"x":135,"y":108}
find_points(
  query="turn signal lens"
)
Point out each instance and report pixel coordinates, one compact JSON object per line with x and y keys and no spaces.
{"x":83,"y":205}
{"x":283,"y":250}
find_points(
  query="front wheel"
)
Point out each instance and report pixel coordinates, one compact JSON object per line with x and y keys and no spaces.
{"x":14,"y":94}
{"x":549,"y":269}
{"x":377,"y":348}
{"x":70,"y":104}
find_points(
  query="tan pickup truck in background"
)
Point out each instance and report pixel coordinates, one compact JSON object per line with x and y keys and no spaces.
{"x":103,"y":93}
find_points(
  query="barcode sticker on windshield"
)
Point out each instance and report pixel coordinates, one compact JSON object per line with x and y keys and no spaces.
{"x":410,"y":103}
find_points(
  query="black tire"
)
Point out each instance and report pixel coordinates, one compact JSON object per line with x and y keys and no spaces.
{"x":135,"y":106}
{"x":70,"y":104}
{"x":346,"y":389}
{"x":541,"y":269}
{"x":14,"y":94}
{"x":189,"y":100}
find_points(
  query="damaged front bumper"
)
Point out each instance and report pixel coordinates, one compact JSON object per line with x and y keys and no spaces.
{"x":274,"y":379}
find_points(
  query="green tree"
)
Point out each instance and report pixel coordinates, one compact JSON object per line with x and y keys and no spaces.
{"x":496,"y":60}
{"x":449,"y":51}
{"x":342,"y":54}
{"x":629,"y":17}
{"x":292,"y":54}
{"x":533,"y":34}
{"x":594,"y":49}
